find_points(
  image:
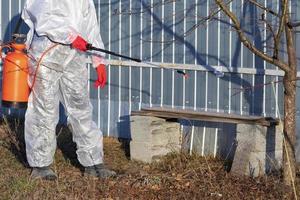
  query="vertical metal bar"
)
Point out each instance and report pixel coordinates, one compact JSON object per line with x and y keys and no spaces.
{"x":184,"y":60}
{"x":141,"y":57}
{"x":203,"y":140}
{"x":276,"y":97}
{"x":173,"y":54}
{"x":206,"y":78}
{"x":230,"y":62}
{"x":192,"y":139}
{"x":218,"y":84}
{"x":130,"y":54}
{"x":184,"y":54}
{"x":219,"y":46}
{"x":19,"y":6}
{"x":242,"y":66}
{"x":206,"y":91}
{"x":10,"y":17}
{"x":151,"y":52}
{"x":162,"y":55}
{"x":206,"y":73}
{"x":195,"y":107}
{"x":216,"y":142}
{"x":277,"y":78}
{"x":120,"y":67}
{"x":253,"y":76}
{"x":195,"y":77}
{"x":241,"y":95}
{"x":109,"y":67}
{"x":265,"y":64}
{"x":219,"y":55}
{"x":196,"y":51}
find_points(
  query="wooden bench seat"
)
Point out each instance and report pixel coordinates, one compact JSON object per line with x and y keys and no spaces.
{"x":169,"y":113}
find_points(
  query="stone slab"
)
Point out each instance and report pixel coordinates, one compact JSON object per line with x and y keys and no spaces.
{"x":153,"y":137}
{"x":141,"y":151}
{"x":259,"y":150}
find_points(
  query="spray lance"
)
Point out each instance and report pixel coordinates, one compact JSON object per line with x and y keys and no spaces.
{"x":91,"y":47}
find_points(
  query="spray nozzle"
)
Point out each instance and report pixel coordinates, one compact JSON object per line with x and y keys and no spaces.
{"x":219,"y":74}
{"x":185,"y":75}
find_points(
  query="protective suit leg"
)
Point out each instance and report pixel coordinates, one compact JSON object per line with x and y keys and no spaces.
{"x":75,"y":98}
{"x":42,"y":117}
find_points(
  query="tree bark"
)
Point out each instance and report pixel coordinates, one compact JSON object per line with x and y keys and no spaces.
{"x":289,"y":83}
{"x":289,"y":171}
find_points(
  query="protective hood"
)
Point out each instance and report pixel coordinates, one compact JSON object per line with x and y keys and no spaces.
{"x":62,"y":20}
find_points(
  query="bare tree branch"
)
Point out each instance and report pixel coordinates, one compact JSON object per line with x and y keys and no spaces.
{"x":289,"y":40}
{"x":270,"y":28}
{"x":279,"y":32}
{"x":205,"y":19}
{"x":246,"y":41}
{"x":293,"y":24}
{"x":263,"y":7}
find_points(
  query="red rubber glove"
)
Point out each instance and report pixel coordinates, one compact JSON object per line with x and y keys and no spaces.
{"x":101,"y":72}
{"x":79,"y":43}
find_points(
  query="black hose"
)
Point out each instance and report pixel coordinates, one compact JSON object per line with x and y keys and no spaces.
{"x":90,"y":47}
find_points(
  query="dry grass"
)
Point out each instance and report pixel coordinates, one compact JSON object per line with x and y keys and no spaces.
{"x":176,"y":176}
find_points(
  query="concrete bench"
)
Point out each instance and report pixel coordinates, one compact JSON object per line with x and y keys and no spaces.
{"x":156,"y":132}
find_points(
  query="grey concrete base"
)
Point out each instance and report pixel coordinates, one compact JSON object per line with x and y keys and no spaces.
{"x":259,"y":150}
{"x":153,"y":137}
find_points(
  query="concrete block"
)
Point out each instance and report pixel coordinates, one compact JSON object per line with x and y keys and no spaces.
{"x":141,"y":151}
{"x":153,"y":137}
{"x":147,"y":152}
{"x":140,"y":124}
{"x":259,"y":163}
{"x":259,"y":150}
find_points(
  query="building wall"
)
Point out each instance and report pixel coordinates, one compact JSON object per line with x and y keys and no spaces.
{"x":176,"y":33}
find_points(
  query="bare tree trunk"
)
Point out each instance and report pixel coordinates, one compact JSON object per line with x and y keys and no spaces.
{"x":289,"y":161}
{"x":289,"y":83}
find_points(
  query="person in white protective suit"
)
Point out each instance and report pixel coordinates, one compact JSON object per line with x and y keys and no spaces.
{"x":62,"y":77}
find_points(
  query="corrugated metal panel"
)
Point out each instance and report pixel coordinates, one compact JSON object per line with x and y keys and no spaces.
{"x":155,"y":30}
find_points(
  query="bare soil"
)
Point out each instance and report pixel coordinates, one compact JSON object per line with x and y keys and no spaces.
{"x":176,"y":176}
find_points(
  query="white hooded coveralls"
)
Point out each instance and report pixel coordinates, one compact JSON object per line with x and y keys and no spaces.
{"x":61,"y":77}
